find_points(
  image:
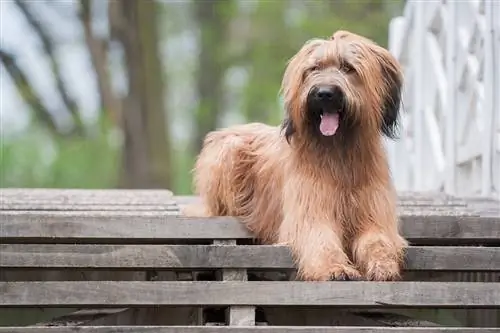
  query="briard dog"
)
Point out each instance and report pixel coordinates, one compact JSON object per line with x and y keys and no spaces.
{"x":320,"y":183}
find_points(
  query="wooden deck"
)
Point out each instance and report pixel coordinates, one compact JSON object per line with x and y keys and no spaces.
{"x":130,"y":258}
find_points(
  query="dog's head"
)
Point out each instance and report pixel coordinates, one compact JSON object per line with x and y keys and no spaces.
{"x":337,"y":86}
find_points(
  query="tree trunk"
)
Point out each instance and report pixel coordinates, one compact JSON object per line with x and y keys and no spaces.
{"x":212,"y":17}
{"x":49,"y":48}
{"x":98,"y":51}
{"x":146,"y":154}
{"x":28,"y":93}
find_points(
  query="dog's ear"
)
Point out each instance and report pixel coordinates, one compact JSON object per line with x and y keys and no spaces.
{"x":391,"y":105}
{"x":288,"y":128}
{"x":292,"y":85}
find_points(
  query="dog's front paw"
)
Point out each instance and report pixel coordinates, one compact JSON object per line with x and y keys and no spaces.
{"x":383,"y":270}
{"x":337,"y":272}
{"x":345,"y":273}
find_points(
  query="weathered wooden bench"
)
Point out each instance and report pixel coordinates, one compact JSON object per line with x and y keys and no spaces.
{"x":126,"y":261}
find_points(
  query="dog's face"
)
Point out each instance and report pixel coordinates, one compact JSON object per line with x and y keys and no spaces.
{"x":337,"y":86}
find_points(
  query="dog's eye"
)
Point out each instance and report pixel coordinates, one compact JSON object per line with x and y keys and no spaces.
{"x":347,"y":68}
{"x":314,"y":68}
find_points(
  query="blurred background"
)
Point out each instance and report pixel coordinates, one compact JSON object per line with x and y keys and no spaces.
{"x":119,"y":94}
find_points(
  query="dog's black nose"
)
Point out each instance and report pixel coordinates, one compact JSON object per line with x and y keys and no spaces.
{"x":328,"y":94}
{"x":325,"y":93}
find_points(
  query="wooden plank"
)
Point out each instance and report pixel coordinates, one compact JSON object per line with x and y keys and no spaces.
{"x":111,"y":199}
{"x":87,"y":200}
{"x":138,"y":196}
{"x":410,"y":197}
{"x":163,"y":200}
{"x":30,"y":206}
{"x":248,"y":329}
{"x":85,"y":317}
{"x":408,"y":208}
{"x":147,"y":227}
{"x":236,"y":315}
{"x":423,"y":203}
{"x":404,"y":199}
{"x":169,"y":204}
{"x":86,"y":196}
{"x":227,"y":293}
{"x":72,"y":256}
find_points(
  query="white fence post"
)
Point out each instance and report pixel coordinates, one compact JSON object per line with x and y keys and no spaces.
{"x":450,"y":52}
{"x":450,"y":99}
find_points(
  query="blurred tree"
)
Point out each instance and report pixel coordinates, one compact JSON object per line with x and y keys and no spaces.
{"x":369,"y":18}
{"x":48,"y":47}
{"x":270,"y":45}
{"x":146,"y":154}
{"x":27,"y":92}
{"x":23,"y":84}
{"x":98,"y":51}
{"x":213,"y":17}
{"x":247,"y":42}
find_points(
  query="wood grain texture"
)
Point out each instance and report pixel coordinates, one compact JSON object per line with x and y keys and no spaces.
{"x":86,"y":200}
{"x":254,"y":329}
{"x":208,"y":293}
{"x":96,"y":196}
{"x":433,"y":198}
{"x":157,"y":196}
{"x":422,"y":204}
{"x":235,"y":315}
{"x":62,"y":256}
{"x":161,"y":200}
{"x":146,"y":227}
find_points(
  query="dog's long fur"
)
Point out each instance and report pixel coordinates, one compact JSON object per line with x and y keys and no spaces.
{"x":330,"y":198}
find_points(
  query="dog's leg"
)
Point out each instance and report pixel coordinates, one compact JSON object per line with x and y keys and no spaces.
{"x":378,"y":248}
{"x":379,"y":254}
{"x":315,"y":239}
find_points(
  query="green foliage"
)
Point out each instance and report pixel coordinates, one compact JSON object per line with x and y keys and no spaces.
{"x":182,"y":166}
{"x":273,"y":41}
{"x":40,"y":159}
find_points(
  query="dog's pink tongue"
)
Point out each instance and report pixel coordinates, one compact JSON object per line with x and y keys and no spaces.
{"x":329,"y":124}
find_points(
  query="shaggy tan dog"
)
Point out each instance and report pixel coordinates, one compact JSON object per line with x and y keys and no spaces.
{"x":320,"y":183}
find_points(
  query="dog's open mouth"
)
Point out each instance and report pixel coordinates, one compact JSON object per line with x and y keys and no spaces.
{"x":329,"y":123}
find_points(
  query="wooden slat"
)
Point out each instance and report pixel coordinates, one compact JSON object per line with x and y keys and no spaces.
{"x":155,"y":227}
{"x":136,"y":196}
{"x":89,"y":196}
{"x":422,"y":204}
{"x":87,"y":200}
{"x":255,"y":329}
{"x":169,"y":205}
{"x":163,"y":200}
{"x":30,"y":206}
{"x":404,"y":198}
{"x":213,"y":256}
{"x":209,"y":293}
{"x":236,"y":315}
{"x":77,"y":200}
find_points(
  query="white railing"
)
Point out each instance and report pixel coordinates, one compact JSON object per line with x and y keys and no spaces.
{"x":450,"y":141}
